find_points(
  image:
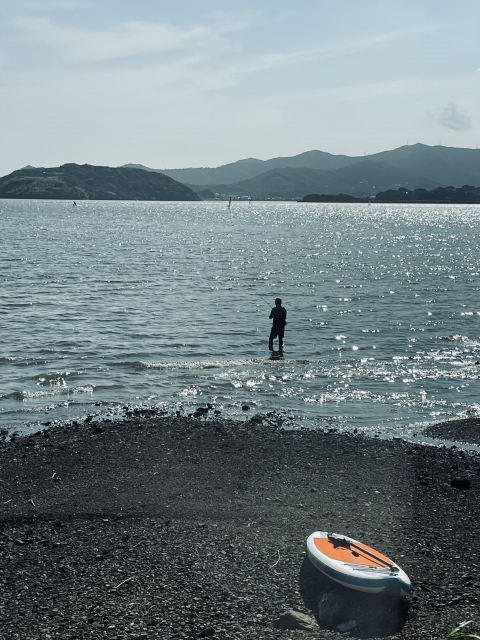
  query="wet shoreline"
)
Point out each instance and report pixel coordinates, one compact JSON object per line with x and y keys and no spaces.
{"x":180,"y":527}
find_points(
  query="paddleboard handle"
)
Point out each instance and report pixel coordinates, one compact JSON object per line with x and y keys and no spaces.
{"x":343,"y":542}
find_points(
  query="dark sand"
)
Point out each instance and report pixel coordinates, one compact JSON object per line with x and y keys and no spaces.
{"x":180,"y":528}
{"x":458,"y":430}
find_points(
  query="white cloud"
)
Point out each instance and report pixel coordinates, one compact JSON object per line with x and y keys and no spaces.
{"x":335,"y":48}
{"x":123,"y":40}
{"x":200,"y":58}
{"x":135,"y":38}
{"x":451,"y":117}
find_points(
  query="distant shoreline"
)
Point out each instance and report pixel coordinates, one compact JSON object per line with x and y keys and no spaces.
{"x":441,"y":195}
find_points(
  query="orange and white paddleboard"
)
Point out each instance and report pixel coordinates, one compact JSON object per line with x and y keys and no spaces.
{"x":355,"y":565}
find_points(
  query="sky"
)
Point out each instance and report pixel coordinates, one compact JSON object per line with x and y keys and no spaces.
{"x":190,"y":84}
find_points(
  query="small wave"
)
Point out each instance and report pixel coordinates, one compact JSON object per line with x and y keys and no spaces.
{"x":205,"y":364}
{"x":213,"y":364}
{"x":29,"y":395}
{"x":455,"y":338}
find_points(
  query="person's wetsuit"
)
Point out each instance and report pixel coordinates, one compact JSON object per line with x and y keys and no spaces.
{"x":279,"y":315}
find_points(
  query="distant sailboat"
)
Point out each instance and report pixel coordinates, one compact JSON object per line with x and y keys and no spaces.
{"x":229,"y":202}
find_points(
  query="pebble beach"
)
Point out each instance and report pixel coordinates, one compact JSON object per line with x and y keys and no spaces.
{"x":166,"y":527}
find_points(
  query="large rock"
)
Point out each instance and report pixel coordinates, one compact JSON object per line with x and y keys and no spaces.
{"x":292,"y":619}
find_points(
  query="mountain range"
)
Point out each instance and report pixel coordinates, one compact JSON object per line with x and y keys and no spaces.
{"x":411,"y":166}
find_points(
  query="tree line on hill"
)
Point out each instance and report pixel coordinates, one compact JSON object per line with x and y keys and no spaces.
{"x":446,"y":195}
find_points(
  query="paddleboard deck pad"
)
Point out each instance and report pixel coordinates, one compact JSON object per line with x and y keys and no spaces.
{"x":355,"y":565}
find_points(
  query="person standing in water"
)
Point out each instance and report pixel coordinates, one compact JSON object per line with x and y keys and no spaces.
{"x":279,"y":316}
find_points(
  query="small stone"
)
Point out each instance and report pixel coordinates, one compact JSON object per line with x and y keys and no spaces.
{"x":461,"y":483}
{"x":346,"y":626}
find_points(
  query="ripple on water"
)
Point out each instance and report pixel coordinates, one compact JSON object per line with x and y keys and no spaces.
{"x":58,"y":390}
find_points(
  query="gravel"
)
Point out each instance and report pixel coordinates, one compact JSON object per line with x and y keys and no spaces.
{"x":161,"y":527}
{"x":459,"y":430}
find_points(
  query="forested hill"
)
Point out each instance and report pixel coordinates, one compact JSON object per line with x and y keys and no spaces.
{"x":87,"y":182}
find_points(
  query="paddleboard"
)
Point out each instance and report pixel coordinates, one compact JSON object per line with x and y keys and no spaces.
{"x":355,"y":565}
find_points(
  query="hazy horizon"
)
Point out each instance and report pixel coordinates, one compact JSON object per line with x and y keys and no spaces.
{"x":177,"y":85}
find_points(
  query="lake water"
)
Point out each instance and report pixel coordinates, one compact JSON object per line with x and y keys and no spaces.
{"x":114,"y":303}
